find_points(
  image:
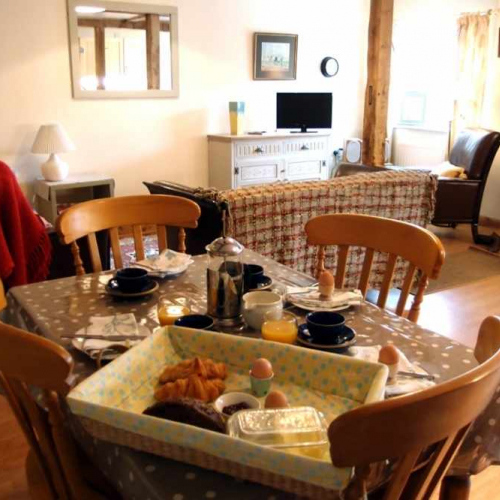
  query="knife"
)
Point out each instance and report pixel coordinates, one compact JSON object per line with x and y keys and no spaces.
{"x":111,"y":338}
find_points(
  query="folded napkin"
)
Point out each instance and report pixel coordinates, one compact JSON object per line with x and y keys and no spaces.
{"x":403,"y":384}
{"x":109,"y":326}
{"x":311,"y":299}
{"x":166,"y":263}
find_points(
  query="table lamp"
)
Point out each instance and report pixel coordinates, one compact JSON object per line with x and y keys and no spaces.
{"x":52,"y":139}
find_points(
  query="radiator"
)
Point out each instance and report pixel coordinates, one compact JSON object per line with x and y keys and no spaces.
{"x":419,"y":147}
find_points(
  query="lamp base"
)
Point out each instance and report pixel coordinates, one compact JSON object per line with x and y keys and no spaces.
{"x":55,"y":169}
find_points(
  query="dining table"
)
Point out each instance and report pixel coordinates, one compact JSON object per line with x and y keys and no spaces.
{"x":61,"y":307}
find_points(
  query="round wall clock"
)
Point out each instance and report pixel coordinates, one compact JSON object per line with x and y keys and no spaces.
{"x":329,"y":66}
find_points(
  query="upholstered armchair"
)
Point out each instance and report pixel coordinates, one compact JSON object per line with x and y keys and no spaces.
{"x":458,"y":200}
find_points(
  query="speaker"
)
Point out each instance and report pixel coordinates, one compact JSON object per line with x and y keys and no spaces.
{"x":352,"y":150}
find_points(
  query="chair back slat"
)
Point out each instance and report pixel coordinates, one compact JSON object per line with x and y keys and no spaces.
{"x":387,"y":281}
{"x":366,"y":271}
{"x":409,"y":242}
{"x":405,"y":289}
{"x":488,"y":340}
{"x":402,"y":428}
{"x":138,"y":243}
{"x":110,"y":214}
{"x":115,"y":247}
{"x":341,"y":266}
{"x":161,"y":232}
{"x":95,"y":257}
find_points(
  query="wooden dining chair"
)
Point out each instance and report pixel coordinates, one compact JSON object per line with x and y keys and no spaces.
{"x":422,"y":249}
{"x":88,"y":218}
{"x":54,"y":466}
{"x":458,"y":486}
{"x":431,"y":424}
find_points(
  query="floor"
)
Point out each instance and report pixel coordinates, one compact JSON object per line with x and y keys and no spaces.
{"x":456,"y":313}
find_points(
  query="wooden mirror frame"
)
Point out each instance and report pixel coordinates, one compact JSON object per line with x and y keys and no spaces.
{"x":78,"y":93}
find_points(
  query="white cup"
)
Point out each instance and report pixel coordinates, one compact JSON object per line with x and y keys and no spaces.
{"x":257,"y":304}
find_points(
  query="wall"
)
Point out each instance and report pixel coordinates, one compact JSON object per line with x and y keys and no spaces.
{"x":136,"y":140}
{"x":424,"y":56}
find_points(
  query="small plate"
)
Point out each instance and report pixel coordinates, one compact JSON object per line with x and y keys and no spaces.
{"x":78,"y":343}
{"x":151,"y":288}
{"x":300,"y":305}
{"x":304,"y":338}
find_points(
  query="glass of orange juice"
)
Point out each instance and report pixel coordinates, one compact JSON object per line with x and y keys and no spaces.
{"x":172,"y":307}
{"x":280,"y":326}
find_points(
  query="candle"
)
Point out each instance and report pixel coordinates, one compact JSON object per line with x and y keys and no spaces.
{"x":167,"y":314}
{"x":283,"y":329}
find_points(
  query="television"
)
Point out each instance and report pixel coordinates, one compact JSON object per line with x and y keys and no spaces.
{"x":304,"y":110}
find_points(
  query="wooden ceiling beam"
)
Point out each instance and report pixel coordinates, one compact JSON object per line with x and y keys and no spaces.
{"x":117,"y":23}
{"x":153,"y":50}
{"x":377,"y":88}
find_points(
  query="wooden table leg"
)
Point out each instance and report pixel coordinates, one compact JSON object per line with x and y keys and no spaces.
{"x":455,"y":488}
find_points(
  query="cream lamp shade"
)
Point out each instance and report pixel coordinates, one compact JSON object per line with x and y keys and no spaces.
{"x":52,"y":139}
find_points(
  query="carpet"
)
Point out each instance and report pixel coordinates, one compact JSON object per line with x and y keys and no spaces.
{"x":464,"y":267}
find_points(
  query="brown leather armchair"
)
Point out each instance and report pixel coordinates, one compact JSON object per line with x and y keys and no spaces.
{"x":458,"y":201}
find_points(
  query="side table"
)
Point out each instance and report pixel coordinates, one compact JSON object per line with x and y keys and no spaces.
{"x":50,"y":197}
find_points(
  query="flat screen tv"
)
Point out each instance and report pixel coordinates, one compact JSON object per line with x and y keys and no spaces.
{"x":304,"y":110}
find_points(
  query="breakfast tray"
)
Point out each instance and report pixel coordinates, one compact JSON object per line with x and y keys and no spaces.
{"x":109,"y":405}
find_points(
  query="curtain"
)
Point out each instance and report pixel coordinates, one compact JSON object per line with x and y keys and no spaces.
{"x":473,"y":55}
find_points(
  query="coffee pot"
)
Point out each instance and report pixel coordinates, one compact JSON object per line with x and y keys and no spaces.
{"x":225,"y":281}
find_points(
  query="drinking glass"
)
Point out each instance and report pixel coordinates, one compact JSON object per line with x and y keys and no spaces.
{"x":171,"y":307}
{"x":280,"y":326}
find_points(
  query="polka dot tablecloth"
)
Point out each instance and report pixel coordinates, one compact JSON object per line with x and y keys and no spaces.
{"x":59,"y":307}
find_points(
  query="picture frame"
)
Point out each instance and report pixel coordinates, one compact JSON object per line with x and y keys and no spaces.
{"x":275,"y":56}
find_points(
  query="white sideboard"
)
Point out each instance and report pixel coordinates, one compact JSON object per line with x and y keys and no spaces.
{"x":244,"y":160}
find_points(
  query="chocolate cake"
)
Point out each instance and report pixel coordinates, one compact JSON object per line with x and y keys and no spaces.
{"x":188,"y":411}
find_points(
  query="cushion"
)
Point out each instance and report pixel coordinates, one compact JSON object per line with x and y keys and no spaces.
{"x":446,"y":169}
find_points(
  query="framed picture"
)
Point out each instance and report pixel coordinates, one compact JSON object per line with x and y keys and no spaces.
{"x":275,"y":56}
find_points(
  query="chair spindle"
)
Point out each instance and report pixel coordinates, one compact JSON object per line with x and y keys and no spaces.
{"x":161,"y":231}
{"x":321,"y":261}
{"x":182,"y":240}
{"x":115,"y":247}
{"x":366,"y":271}
{"x":138,"y":243}
{"x":419,"y":297}
{"x":95,"y":257}
{"x":341,"y":265}
{"x":386,"y":283}
{"x":77,"y":260}
{"x":405,"y":290}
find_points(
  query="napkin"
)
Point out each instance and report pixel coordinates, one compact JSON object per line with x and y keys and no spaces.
{"x":310,"y":298}
{"x":110,"y":326}
{"x":166,"y":263}
{"x":403,"y":385}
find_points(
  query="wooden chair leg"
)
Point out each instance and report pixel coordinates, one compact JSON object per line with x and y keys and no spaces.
{"x":455,"y":488}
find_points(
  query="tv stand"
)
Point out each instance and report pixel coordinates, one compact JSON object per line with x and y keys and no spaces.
{"x":246,"y":160}
{"x":304,"y":131}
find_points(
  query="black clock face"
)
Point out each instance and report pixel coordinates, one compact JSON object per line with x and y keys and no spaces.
{"x":329,"y":66}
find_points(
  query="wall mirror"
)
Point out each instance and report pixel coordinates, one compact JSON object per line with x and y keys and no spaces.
{"x":123,"y":49}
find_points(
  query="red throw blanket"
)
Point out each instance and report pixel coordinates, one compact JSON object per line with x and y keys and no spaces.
{"x":25,"y":248}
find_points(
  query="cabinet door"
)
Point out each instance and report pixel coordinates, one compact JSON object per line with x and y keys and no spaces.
{"x":247,"y":173}
{"x":306,"y":170}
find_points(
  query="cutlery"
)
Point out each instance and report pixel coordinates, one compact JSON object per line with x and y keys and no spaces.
{"x":111,"y":338}
{"x":423,"y":376}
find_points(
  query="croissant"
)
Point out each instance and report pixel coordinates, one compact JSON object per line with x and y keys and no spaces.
{"x":205,"y":368}
{"x":194,"y":387}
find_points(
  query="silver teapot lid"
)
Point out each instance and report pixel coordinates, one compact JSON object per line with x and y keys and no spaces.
{"x":225,"y":246}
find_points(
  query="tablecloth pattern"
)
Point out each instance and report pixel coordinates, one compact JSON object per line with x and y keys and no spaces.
{"x":58,"y":307}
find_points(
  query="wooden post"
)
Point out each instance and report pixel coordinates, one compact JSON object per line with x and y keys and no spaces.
{"x":100,"y":56}
{"x":377,"y":88}
{"x":153,"y":50}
